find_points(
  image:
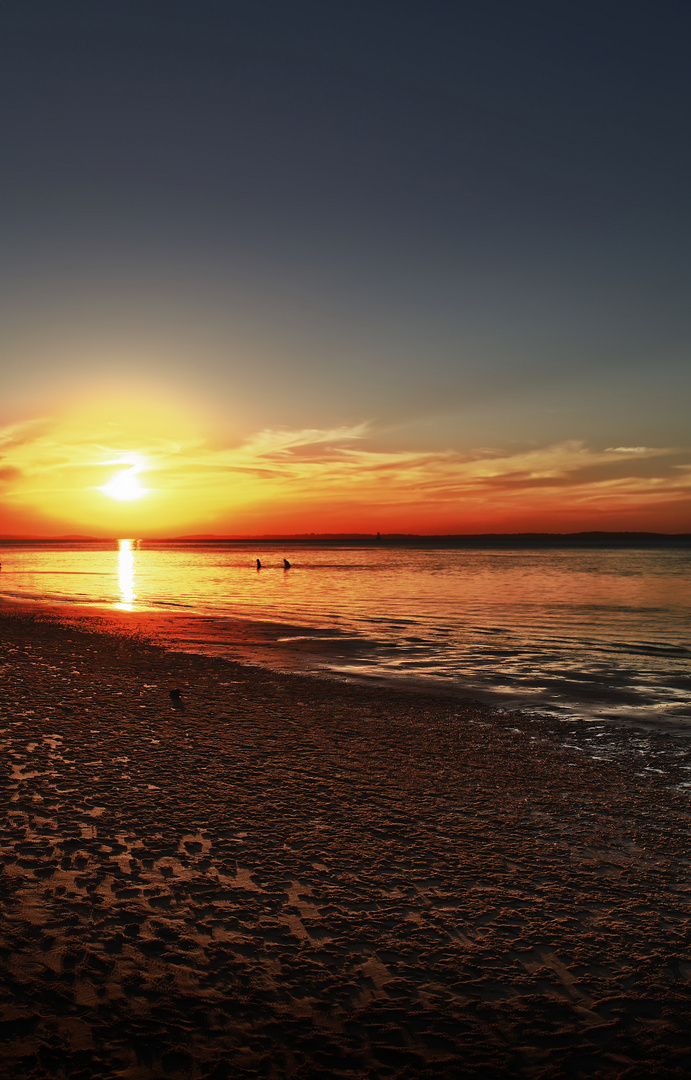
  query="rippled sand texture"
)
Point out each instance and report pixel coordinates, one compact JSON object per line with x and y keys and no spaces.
{"x":294,"y":878}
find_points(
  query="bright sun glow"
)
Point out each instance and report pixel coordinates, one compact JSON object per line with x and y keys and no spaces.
{"x":124,"y":486}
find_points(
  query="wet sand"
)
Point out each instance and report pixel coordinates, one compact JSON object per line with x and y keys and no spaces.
{"x":282,"y":876}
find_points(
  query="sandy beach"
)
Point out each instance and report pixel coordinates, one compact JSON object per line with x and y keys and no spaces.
{"x":282,"y":876}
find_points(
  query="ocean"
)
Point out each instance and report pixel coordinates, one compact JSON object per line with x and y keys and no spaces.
{"x":595,"y":633}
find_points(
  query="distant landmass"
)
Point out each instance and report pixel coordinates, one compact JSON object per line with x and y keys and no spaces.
{"x":505,"y":540}
{"x":514,"y":540}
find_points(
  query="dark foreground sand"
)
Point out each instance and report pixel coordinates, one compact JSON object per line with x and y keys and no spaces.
{"x":297,"y":878}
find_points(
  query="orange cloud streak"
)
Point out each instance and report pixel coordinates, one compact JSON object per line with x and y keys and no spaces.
{"x":56,"y":476}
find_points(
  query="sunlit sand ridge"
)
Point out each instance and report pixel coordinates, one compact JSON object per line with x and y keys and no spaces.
{"x":294,"y":878}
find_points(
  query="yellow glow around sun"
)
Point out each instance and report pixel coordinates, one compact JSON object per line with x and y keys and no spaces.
{"x":109,"y":466}
{"x":124,"y":486}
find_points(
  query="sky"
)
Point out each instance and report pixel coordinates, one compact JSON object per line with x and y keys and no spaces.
{"x":286,"y":266}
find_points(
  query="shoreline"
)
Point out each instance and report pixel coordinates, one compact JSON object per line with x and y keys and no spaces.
{"x":296,"y":877}
{"x":287,"y":648}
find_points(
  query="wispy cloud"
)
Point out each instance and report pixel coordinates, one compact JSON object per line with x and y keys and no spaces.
{"x":278,"y":472}
{"x":632,"y":450}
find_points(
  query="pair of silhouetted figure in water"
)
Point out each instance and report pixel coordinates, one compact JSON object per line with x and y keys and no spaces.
{"x":286,"y":565}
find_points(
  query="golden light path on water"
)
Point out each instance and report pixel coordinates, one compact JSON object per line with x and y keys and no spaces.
{"x":126,"y":575}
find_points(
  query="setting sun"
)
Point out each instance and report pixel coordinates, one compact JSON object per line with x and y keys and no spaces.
{"x":124,"y":486}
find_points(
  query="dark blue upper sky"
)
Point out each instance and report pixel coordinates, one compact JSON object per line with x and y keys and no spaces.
{"x":466,"y":220}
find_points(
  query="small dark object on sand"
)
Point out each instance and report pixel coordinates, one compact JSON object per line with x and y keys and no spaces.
{"x":176,"y":699}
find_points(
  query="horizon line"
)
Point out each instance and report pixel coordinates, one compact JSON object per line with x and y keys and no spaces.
{"x":373,"y":537}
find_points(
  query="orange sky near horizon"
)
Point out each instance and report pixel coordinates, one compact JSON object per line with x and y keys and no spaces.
{"x":276,"y":268}
{"x":159,"y":473}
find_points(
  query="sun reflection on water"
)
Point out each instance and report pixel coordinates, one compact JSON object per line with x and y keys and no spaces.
{"x":126,"y":575}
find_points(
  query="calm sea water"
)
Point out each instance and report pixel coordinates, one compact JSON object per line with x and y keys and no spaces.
{"x":594,"y":633}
